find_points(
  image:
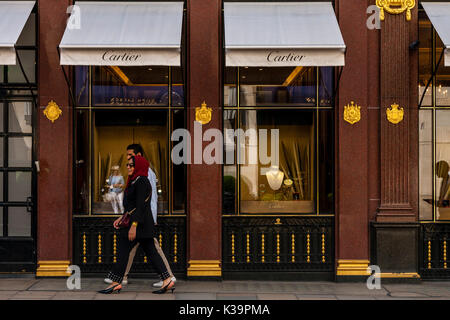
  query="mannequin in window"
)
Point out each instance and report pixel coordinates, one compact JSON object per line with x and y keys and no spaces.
{"x":274,"y":178}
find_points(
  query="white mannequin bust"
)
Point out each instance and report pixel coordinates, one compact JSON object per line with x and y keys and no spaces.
{"x":274,"y":178}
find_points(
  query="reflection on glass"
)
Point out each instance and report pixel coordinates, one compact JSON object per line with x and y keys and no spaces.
{"x":19,"y":222}
{"x":20,"y":117}
{"x":130,"y":86}
{"x":425,"y":58}
{"x":1,"y":186}
{"x":1,"y":152}
{"x":2,"y":76}
{"x":19,"y":186}
{"x":425,"y":165}
{"x":146,"y":128}
{"x":442,"y":78}
{"x":326,"y":86}
{"x":229,"y":90}
{"x":229,"y":168}
{"x":177,"y":87}
{"x":1,"y":121}
{"x":178,"y":179}
{"x":277,"y":86}
{"x":1,"y":221}
{"x":28,"y":59}
{"x":326,"y":162}
{"x":82,"y":162}
{"x":19,"y":153}
{"x":287,"y":186}
{"x":442,"y":165}
{"x":82,"y":85}
{"x":28,"y":35}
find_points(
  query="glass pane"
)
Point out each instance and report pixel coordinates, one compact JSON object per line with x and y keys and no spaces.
{"x":1,"y":119}
{"x":442,"y":77}
{"x":130,"y":86}
{"x":229,"y":90}
{"x":277,"y":86}
{"x":229,"y":167}
{"x":2,"y":74}
{"x":284,"y":187}
{"x":179,"y":180}
{"x":1,"y":221}
{"x":19,"y":222}
{"x":425,"y":165}
{"x":82,"y":162}
{"x":28,"y":58}
{"x":326,"y":88}
{"x":177,"y":87}
{"x":28,"y":35}
{"x":1,"y":186}
{"x":19,"y":153}
{"x":82,"y":85}
{"x":148,"y":128}
{"x":19,"y":186}
{"x":326,"y":162}
{"x":425,"y":58}
{"x":442,"y":165}
{"x":1,"y":152}
{"x":20,"y":117}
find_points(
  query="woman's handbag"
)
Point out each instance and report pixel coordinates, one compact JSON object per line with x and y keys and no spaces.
{"x":124,"y":221}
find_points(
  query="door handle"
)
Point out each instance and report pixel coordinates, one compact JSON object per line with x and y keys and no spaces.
{"x":30,"y":204}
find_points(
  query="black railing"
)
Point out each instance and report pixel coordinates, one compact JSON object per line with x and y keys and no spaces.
{"x":290,"y":244}
{"x":434,"y":245}
{"x":95,"y":245}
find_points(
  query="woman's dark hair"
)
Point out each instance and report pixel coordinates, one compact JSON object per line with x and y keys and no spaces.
{"x":137,"y":148}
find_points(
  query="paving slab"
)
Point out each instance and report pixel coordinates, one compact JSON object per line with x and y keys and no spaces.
{"x":74,"y":295}
{"x":16,"y":284}
{"x":352,"y":297}
{"x":195,"y":296}
{"x":5,"y":295}
{"x":236,"y":296}
{"x":316,"y":297}
{"x":31,"y":295}
{"x":278,"y":296}
{"x":116,"y":296}
{"x":152,"y":296}
{"x":50,"y":285}
{"x":399,"y":294}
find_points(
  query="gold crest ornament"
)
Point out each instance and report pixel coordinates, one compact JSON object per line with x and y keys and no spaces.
{"x":203,"y":114}
{"x":52,"y":111}
{"x":352,"y":113}
{"x":396,"y":7}
{"x":395,"y":114}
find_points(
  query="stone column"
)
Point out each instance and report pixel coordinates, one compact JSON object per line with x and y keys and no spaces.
{"x":204,"y":195}
{"x":54,"y":142}
{"x":352,"y":236}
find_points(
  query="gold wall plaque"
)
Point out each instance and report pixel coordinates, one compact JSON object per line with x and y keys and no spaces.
{"x":395,"y":114}
{"x":203,"y":114}
{"x":396,"y":7}
{"x":52,"y":111}
{"x":352,"y":113}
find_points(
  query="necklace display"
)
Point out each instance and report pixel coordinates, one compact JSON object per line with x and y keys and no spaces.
{"x":275,"y":178}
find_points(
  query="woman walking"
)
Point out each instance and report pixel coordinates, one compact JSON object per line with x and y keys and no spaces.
{"x":137,"y":227}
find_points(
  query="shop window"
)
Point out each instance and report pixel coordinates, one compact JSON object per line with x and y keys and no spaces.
{"x":434,"y":126}
{"x":128,"y":105}
{"x":293,"y":107}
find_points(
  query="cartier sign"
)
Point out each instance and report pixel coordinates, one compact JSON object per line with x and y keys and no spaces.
{"x":276,"y":56}
{"x":114,"y":56}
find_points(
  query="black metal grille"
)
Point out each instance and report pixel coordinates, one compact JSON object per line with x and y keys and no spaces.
{"x":94,"y":249}
{"x":278,"y":244}
{"x":435,"y":242}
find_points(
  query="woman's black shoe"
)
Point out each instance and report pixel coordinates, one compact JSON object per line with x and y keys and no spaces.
{"x":164,"y":289}
{"x":113,"y":289}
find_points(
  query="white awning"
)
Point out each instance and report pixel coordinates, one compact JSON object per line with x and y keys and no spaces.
{"x":123,"y":34}
{"x":13,"y":16}
{"x":282,"y":34}
{"x":439,"y":14}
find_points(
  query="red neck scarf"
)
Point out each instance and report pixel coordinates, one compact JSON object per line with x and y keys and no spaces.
{"x":141,"y":166}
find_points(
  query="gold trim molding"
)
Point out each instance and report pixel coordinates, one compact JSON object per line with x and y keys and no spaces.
{"x":203,"y":114}
{"x":396,"y":7}
{"x":52,"y":268}
{"x":399,"y":275}
{"x":352,"y":113}
{"x":352,"y":267}
{"x":52,"y":111}
{"x":204,"y":268}
{"x":395,"y":114}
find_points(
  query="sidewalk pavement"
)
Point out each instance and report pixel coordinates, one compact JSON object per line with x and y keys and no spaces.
{"x":140,"y":289}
